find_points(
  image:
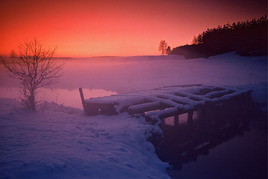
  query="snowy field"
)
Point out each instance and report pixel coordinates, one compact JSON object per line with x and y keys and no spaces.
{"x":58,"y":141}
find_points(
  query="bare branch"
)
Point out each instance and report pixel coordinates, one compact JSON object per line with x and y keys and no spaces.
{"x":35,"y":68}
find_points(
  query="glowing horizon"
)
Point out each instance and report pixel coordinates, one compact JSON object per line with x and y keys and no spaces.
{"x":115,"y":28}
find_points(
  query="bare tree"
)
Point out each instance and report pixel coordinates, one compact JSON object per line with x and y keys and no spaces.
{"x":162,"y":47}
{"x":35,"y":68}
{"x":168,"y":50}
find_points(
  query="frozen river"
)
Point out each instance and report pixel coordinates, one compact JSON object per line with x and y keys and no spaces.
{"x":102,"y":76}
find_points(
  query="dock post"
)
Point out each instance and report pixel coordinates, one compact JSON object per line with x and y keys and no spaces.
{"x":82,"y":98}
{"x":190,"y":117}
{"x":176,"y":120}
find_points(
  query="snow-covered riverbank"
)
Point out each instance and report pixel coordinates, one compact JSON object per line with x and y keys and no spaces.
{"x":61,"y":142}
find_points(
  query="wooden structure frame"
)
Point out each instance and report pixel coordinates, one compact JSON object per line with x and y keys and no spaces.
{"x":162,"y":102}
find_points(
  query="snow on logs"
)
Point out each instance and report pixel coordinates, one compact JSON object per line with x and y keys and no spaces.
{"x":162,"y":102}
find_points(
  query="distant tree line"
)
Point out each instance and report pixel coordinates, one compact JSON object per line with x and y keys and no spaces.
{"x":245,"y":38}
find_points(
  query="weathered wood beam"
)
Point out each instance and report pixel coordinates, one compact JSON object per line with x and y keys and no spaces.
{"x":82,"y":98}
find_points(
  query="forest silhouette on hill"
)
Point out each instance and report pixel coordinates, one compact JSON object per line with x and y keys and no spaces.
{"x":247,"y":38}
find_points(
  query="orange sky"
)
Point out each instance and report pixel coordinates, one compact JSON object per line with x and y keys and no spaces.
{"x":81,"y":28}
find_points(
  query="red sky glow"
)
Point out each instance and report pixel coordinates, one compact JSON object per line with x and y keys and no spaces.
{"x":85,"y":28}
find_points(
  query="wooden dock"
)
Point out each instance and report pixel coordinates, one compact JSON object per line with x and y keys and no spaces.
{"x":163,"y":102}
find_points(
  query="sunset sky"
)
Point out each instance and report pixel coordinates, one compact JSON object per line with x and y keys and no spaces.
{"x":83,"y":28}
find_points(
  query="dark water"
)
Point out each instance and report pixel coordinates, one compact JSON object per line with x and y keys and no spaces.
{"x":223,"y":141}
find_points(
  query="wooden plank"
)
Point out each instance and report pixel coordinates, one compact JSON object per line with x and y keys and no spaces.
{"x":92,"y":109}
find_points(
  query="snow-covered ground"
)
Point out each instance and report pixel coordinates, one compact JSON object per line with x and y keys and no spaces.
{"x":61,"y":142}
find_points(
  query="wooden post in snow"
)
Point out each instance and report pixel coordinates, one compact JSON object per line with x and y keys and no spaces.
{"x":82,"y":97}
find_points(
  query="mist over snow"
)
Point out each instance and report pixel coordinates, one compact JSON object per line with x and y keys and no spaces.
{"x":102,"y":76}
{"x":127,"y":74}
{"x":61,"y":142}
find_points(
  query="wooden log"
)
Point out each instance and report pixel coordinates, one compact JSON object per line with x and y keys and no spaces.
{"x":92,"y":109}
{"x":146,"y":107}
{"x":107,"y":109}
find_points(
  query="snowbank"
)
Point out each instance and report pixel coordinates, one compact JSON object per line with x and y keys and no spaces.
{"x":60,"y":142}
